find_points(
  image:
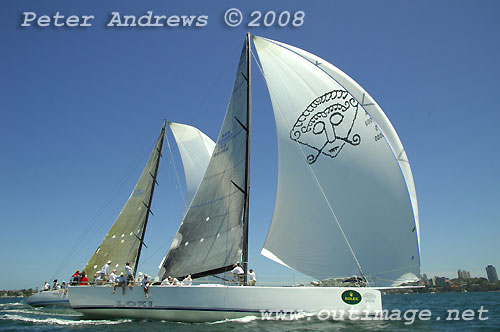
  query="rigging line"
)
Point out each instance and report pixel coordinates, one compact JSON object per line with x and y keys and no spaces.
{"x":161,"y":247}
{"x":209,"y":90}
{"x":322,"y":191}
{"x":110,"y":197}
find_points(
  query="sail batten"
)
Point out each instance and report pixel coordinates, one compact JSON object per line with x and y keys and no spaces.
{"x":340,"y":183}
{"x":125,"y":239}
{"x":211,"y":236}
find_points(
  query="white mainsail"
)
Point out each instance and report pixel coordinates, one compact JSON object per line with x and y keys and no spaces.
{"x":344,"y":203}
{"x":195,"y":149}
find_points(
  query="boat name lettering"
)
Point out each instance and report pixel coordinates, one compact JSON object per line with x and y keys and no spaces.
{"x":137,"y":304}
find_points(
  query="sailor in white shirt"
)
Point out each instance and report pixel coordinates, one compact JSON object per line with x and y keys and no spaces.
{"x":238,"y":273}
{"x":187,"y":281}
{"x":104,"y":273}
{"x":170,"y":282}
{"x":251,"y":276}
{"x":175,"y":282}
{"x":130,"y":275}
{"x":113,"y":277}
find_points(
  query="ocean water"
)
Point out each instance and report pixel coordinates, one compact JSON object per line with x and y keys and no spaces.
{"x":16,"y":315}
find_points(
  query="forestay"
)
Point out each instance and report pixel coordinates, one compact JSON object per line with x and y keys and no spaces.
{"x":210,"y":237}
{"x":195,"y":149}
{"x":124,"y":240}
{"x":343,"y":206}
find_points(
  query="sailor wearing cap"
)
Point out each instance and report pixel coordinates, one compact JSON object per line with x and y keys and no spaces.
{"x":121,"y":282}
{"x":113,"y":277}
{"x":238,"y":273}
{"x":104,"y":273}
{"x":130,"y":275}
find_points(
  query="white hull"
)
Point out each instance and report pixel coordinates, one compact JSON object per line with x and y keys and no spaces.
{"x":205,"y":303}
{"x":49,"y":298}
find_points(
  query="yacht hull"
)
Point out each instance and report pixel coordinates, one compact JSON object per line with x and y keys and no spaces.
{"x":49,"y":298}
{"x":205,"y":303}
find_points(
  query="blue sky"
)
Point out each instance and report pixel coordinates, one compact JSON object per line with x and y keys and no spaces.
{"x":82,"y":107}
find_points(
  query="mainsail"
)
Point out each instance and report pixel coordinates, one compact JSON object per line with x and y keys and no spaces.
{"x":124,"y":240}
{"x":346,"y":201}
{"x":196,"y":149}
{"x":211,"y":236}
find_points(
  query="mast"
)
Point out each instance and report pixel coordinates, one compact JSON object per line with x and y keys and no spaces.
{"x":247,"y":164}
{"x":220,"y":204}
{"x":148,"y":206}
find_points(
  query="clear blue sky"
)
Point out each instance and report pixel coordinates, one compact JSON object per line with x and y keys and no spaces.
{"x":82,"y":107}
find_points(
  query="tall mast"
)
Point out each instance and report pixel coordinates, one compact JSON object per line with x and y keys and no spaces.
{"x":247,"y":164}
{"x":148,"y":206}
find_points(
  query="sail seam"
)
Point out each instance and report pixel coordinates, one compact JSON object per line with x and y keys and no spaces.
{"x":215,"y":200}
{"x":317,"y":64}
{"x":321,"y":188}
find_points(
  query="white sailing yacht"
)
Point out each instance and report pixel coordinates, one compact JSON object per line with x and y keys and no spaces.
{"x":122,"y":243}
{"x":52,"y":297}
{"x":345,"y":204}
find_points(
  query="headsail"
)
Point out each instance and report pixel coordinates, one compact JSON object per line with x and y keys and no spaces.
{"x":377,"y":115}
{"x":196,"y":149}
{"x":210,"y":238}
{"x":344,"y":204}
{"x":124,"y":240}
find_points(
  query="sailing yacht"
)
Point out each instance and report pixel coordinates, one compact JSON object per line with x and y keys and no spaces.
{"x":345,"y":204}
{"x":52,"y":297}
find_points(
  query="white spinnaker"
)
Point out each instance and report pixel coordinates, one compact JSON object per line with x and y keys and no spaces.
{"x":196,"y":149}
{"x":342,"y":201}
{"x":377,"y":115}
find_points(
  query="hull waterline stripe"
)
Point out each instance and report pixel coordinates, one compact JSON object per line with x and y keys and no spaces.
{"x":183,"y":308}
{"x":47,"y":302}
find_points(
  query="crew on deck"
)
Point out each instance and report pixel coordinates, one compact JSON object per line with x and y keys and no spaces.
{"x":251,"y":278}
{"x":238,"y":273}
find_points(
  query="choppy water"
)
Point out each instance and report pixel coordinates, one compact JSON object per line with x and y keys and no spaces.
{"x":16,"y":315}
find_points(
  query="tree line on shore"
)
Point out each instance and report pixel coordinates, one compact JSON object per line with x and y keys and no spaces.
{"x":17,"y":292}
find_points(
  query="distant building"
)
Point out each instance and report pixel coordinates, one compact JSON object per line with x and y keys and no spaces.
{"x":439,"y":281}
{"x":492,"y":273}
{"x":462,"y":274}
